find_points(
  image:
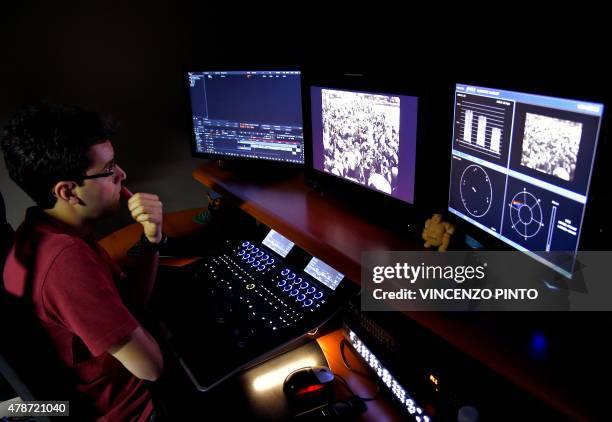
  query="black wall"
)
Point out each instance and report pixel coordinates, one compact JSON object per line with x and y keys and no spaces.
{"x":127,"y":58}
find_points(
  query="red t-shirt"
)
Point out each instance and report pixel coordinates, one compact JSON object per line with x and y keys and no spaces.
{"x":75,"y":298}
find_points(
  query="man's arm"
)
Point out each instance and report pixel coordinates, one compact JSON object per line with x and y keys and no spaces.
{"x":140,"y":355}
{"x":146,"y":209}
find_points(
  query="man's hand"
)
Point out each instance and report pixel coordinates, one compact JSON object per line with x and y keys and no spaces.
{"x":146,"y":208}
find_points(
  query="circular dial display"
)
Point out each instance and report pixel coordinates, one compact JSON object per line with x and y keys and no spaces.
{"x":476,"y":190}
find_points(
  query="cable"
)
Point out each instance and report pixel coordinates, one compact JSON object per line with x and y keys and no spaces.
{"x":346,"y":385}
{"x":343,"y":344}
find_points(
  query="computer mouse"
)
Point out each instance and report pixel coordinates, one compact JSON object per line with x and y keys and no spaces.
{"x":308,"y":383}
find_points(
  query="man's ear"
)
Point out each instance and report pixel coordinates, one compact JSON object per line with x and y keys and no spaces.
{"x":64,"y":191}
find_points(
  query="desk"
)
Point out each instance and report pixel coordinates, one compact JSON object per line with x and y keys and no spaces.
{"x":327,"y":229}
{"x":176,"y":224}
{"x":379,"y":409}
{"x":318,"y":224}
{"x":180,"y":224}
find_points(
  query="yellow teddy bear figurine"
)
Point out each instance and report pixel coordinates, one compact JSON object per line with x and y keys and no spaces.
{"x":437,"y":232}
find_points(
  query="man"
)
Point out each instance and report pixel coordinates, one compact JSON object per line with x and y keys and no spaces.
{"x":63,"y":158}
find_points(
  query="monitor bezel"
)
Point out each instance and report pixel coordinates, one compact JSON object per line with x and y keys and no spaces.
{"x":589,"y":238}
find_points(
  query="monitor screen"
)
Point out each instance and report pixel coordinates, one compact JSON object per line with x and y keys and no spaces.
{"x":366,"y":138}
{"x":521,"y":167}
{"x":248,"y":114}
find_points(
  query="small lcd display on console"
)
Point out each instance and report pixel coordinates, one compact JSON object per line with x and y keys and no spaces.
{"x":324,"y":273}
{"x":278,"y":243}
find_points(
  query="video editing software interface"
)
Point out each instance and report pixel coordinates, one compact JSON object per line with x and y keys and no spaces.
{"x":521,"y":168}
{"x":248,"y":114}
{"x":366,"y":138}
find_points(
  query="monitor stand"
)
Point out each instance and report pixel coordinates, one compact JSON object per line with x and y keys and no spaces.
{"x":224,"y":164}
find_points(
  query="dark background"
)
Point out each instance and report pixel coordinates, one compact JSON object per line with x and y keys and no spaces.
{"x":127,"y":58}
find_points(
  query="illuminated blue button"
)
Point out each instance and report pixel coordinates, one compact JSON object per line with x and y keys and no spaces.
{"x":241,"y":252}
{"x":291,"y":276}
{"x":250,"y":260}
{"x":255,"y":250}
{"x":288,"y":287}
{"x":271,"y":261}
{"x":304,"y":285}
{"x":265,"y":257}
{"x":245,"y":244}
{"x":259,"y":254}
{"x":311,"y":290}
{"x":308,"y":302}
{"x":256,"y":264}
{"x":261,"y":268}
{"x":318,"y":295}
{"x":301,"y":298}
{"x":250,"y":247}
{"x":293,"y":292}
{"x":285,"y":271}
{"x":281,"y":283}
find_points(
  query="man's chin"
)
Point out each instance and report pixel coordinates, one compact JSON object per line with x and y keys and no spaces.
{"x":116,"y":207}
{"x":112,"y":209}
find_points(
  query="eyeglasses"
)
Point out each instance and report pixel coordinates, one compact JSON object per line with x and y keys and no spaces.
{"x":110,"y":171}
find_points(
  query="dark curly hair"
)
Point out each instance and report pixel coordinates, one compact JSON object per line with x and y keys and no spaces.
{"x":44,"y":144}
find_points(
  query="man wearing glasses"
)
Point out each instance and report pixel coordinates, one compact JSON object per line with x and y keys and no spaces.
{"x":63,"y":158}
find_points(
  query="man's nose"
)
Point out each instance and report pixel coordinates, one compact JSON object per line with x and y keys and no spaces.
{"x":121,"y":174}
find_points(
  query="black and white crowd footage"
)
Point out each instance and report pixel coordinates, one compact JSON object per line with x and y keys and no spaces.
{"x":550,"y":145}
{"x":361,"y":138}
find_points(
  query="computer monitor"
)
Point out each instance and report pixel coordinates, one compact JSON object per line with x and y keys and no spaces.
{"x":367,"y":138}
{"x":521,"y":168}
{"x":247,"y":114}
